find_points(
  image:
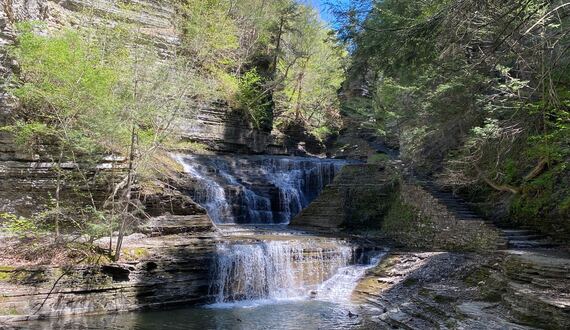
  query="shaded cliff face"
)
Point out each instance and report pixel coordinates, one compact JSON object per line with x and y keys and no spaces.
{"x":359,"y":196}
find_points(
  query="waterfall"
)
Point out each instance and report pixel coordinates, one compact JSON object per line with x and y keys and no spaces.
{"x":207,"y":193}
{"x":339,"y":287}
{"x":256,"y":189}
{"x":275,"y":269}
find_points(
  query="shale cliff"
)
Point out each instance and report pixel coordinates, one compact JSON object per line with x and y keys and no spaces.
{"x":167,"y":263}
{"x":26,"y":176}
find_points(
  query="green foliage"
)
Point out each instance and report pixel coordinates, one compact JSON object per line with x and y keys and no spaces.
{"x":415,"y":221}
{"x":66,"y":82}
{"x":543,"y":198}
{"x":30,"y":136}
{"x":106,"y":92}
{"x":378,"y":159}
{"x":477,"y":89}
{"x":405,"y":224}
{"x":280,"y":45}
{"x":209,"y":33}
{"x":253,"y":98}
{"x":322,"y":132}
{"x":85,"y":92}
{"x":18,"y":225}
{"x":85,"y":96}
{"x":312,"y":73}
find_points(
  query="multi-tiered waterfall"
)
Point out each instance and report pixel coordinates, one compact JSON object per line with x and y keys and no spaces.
{"x":256,"y":189}
{"x":270,"y":190}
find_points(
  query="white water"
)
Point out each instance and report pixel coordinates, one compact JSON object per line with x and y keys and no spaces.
{"x":256,"y":189}
{"x":273,"y":271}
{"x":340,"y":287}
{"x":211,"y":194}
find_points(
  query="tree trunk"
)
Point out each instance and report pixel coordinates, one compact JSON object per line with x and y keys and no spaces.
{"x":278,"y":46}
{"x":58,"y":194}
{"x":127,"y":196}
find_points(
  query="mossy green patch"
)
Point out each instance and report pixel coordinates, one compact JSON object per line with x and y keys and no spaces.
{"x":405,"y":224}
{"x":377,"y":159}
{"x":489,"y":286}
{"x":477,"y":276}
{"x":133,"y":254}
{"x":544,"y":203}
{"x":11,"y":310}
{"x":6,"y":273}
{"x":441,"y":299}
{"x":22,"y":276}
{"x":424,"y":292}
{"x":410,"y":281}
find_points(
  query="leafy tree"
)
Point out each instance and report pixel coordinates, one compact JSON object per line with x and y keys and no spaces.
{"x":90,"y":98}
{"x":474,"y":90}
{"x":297,"y":62}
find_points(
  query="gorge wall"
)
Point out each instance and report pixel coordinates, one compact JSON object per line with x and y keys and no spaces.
{"x":168,"y":260}
{"x":170,"y":264}
{"x":26,"y":177}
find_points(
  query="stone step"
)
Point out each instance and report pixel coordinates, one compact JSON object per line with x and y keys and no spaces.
{"x":457,"y":206}
{"x":516,"y":232}
{"x":323,"y":213}
{"x":532,"y":237}
{"x":529,"y":244}
{"x":467,"y":215}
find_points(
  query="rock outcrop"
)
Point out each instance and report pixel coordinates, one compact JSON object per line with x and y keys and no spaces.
{"x":168,"y":265}
{"x":535,"y":285}
{"x":224,"y":130}
{"x":425,"y":290}
{"x":26,"y":178}
{"x":360,"y":194}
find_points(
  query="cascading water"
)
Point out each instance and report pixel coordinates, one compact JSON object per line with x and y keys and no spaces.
{"x":275,"y":269}
{"x":270,"y":190}
{"x":256,"y":189}
{"x":339,"y":287}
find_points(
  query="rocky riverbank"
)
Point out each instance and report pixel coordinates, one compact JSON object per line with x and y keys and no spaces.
{"x":176,"y":261}
{"x":500,"y":290}
{"x":154,"y":270}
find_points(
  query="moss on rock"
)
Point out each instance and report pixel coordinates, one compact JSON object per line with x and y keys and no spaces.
{"x":416,"y":220}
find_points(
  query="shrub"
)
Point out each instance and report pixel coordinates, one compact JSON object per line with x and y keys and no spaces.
{"x":255,"y":100}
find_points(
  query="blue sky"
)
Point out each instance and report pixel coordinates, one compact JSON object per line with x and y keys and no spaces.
{"x":322,"y":8}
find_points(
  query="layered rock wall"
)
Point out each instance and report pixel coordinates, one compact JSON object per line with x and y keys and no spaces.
{"x":27,"y":178}
{"x":359,"y":196}
{"x":169,"y":265}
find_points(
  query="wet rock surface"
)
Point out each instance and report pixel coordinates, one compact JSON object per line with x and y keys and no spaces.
{"x":255,"y":189}
{"x":467,"y":291}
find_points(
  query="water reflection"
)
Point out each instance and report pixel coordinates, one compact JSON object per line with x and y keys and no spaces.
{"x":301,"y":315}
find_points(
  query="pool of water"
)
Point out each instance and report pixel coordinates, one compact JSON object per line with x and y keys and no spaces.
{"x":270,"y":294}
{"x":301,"y":314}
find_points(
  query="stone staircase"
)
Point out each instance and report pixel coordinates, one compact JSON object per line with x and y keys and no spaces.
{"x":511,"y":238}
